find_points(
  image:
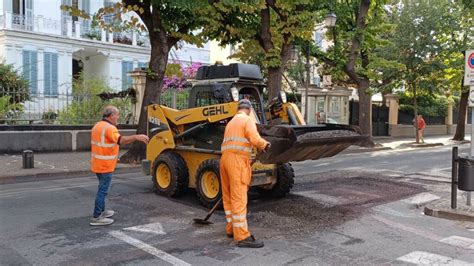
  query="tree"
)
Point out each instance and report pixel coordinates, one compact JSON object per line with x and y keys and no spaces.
{"x":168,"y":22}
{"x":266,"y":29}
{"x":357,"y":34}
{"x":458,"y":22}
{"x":423,"y":43}
{"x":13,"y":85}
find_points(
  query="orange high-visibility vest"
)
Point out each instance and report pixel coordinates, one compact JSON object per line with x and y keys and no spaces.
{"x":240,"y":135}
{"x":104,"y":147}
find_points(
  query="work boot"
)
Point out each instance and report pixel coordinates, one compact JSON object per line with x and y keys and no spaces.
{"x":101,"y":221}
{"x":250,"y":242}
{"x":107,"y":214}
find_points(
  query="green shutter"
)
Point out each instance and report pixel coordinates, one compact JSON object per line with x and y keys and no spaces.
{"x":127,"y":66}
{"x":30,"y":70}
{"x":54,"y":74}
{"x":47,"y":74}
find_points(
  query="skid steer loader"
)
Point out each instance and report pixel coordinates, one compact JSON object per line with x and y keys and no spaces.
{"x":184,"y":147}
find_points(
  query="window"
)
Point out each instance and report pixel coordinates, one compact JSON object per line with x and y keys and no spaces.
{"x":127,"y":66}
{"x":51,"y":74}
{"x":30,"y":69}
{"x":318,"y":39}
{"x":142,"y":65}
{"x":205,"y":98}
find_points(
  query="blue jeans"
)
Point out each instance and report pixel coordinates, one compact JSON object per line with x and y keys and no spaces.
{"x":104,"y":185}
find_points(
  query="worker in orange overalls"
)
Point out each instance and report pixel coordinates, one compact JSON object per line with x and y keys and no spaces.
{"x":105,"y":141}
{"x":236,"y":173}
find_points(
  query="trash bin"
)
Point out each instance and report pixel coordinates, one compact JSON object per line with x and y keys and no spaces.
{"x":466,"y":174}
{"x":28,"y":159}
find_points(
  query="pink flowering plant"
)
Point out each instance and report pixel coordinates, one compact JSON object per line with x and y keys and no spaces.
{"x":177,"y":75}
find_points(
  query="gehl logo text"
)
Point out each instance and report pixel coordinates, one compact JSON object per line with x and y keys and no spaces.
{"x":214,"y":110}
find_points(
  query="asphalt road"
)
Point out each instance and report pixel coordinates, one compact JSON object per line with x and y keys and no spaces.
{"x":351,"y":209}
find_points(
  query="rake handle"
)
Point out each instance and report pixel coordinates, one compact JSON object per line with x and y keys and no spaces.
{"x":213,"y":209}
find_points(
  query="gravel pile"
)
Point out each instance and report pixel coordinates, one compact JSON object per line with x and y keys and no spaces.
{"x":296,"y":215}
{"x":327,"y":134}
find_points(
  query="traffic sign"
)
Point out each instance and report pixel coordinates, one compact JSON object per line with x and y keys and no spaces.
{"x":469,"y":69}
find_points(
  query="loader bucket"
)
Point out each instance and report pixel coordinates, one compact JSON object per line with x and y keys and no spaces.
{"x":299,"y":143}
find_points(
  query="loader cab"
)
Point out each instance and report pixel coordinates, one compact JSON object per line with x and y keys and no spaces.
{"x":218,"y":84}
{"x":224,"y":84}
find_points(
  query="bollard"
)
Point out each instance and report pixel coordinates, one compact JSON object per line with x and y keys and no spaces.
{"x":454,"y":178}
{"x":28,"y":159}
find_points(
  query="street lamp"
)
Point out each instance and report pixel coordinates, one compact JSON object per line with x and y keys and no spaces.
{"x":330,"y":20}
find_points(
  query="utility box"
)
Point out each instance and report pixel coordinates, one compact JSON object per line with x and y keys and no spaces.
{"x":466,"y":174}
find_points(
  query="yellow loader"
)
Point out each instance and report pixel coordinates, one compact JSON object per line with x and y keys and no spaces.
{"x":184,"y":147}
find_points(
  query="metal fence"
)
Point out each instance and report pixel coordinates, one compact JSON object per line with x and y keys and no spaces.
{"x":177,"y":99}
{"x":19,"y":107}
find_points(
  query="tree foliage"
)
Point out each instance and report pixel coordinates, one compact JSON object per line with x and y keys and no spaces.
{"x":266,"y":30}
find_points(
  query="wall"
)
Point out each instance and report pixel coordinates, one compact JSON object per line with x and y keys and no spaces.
{"x":47,"y":141}
{"x":218,"y":53}
{"x":409,"y":131}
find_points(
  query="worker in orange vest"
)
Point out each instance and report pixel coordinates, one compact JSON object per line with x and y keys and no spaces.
{"x":105,"y":141}
{"x":239,"y":138}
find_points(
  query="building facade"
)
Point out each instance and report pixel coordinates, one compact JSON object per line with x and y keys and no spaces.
{"x":50,"y":47}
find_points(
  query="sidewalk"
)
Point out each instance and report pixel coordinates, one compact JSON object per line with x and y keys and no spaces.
{"x":68,"y":164}
{"x":51,"y":165}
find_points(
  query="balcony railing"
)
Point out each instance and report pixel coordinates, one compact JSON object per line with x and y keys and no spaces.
{"x":72,"y":29}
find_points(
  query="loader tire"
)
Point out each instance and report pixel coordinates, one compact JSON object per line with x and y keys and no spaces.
{"x":285,"y":182}
{"x":170,"y":174}
{"x":208,"y":183}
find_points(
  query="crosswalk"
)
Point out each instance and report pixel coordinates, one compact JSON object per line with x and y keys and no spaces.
{"x":427,"y":258}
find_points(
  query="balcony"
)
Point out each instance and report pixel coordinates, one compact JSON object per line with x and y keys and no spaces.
{"x":72,"y":29}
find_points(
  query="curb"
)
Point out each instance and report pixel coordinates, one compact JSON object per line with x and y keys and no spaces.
{"x":362,"y":150}
{"x":448,"y":214}
{"x":61,"y":175}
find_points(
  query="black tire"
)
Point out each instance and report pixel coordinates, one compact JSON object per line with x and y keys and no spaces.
{"x":179,"y":174}
{"x":212,"y":166}
{"x":285,"y":182}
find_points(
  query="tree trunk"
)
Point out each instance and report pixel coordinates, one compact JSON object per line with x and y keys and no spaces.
{"x":365,"y":107}
{"x":275,"y":76}
{"x":461,"y":123}
{"x":154,"y":82}
{"x":415,"y":110}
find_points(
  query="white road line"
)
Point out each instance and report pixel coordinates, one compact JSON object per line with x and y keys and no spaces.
{"x":459,"y":241}
{"x":425,"y":258}
{"x":421,"y":199}
{"x":147,"y":248}
{"x":154,"y":228}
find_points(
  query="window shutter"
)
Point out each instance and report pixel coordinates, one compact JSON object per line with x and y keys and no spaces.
{"x":127,"y":66}
{"x":54,"y":74}
{"x":47,"y":74}
{"x":34,"y":71}
{"x":30,"y":71}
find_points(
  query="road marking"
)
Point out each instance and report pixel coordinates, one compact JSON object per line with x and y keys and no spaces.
{"x":147,"y":248}
{"x":154,"y":228}
{"x":421,"y":199}
{"x":459,"y":241}
{"x":425,"y":258}
{"x":416,"y":231}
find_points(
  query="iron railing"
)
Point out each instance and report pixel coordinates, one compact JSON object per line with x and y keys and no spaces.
{"x":176,"y":99}
{"x":20,"y":107}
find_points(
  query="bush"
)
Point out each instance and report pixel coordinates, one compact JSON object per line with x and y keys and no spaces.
{"x":86,"y":106}
{"x":9,"y":110}
{"x":428,"y":105}
{"x":13,"y":84}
